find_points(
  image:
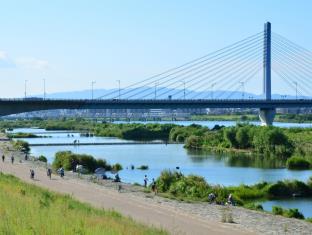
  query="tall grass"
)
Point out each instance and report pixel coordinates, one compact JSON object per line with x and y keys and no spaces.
{"x":28,"y":209}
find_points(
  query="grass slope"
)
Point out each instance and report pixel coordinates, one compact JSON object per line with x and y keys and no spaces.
{"x":28,"y":209}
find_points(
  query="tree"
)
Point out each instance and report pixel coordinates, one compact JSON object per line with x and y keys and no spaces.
{"x":242,"y":137}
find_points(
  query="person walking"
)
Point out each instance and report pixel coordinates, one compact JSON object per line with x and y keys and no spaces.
{"x":154,"y":186}
{"x":49,"y":173}
{"x":32,"y":174}
{"x":3,"y":157}
{"x":12,"y":159}
{"x":145,"y":181}
{"x":61,"y":172}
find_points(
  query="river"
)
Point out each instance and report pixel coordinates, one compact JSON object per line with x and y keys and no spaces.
{"x":216,"y":169}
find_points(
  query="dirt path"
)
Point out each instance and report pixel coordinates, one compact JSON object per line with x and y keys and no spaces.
{"x":154,"y":214}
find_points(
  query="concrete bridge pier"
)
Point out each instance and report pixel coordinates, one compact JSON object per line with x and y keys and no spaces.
{"x":266,"y":116}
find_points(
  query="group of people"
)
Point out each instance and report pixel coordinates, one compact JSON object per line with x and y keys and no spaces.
{"x":153,"y":185}
{"x":49,"y":173}
{"x":12,"y":158}
{"x":230,"y":199}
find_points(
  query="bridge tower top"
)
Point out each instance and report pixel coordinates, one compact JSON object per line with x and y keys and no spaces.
{"x":267,"y":61}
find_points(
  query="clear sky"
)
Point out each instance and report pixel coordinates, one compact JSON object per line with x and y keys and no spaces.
{"x":72,"y":42}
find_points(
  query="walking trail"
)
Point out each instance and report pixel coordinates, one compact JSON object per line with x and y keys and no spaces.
{"x":175,"y":217}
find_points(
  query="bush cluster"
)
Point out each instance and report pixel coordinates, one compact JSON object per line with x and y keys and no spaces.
{"x":68,"y":160}
{"x":298,"y":163}
{"x":270,"y":141}
{"x":195,"y":188}
{"x":290,"y":213}
{"x":21,"y":146}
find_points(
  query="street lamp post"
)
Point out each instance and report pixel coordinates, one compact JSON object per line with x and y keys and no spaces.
{"x":118,"y":89}
{"x":296,"y":84}
{"x":183,"y":89}
{"x":212,"y":85}
{"x":243,"y":89}
{"x":92,"y":83}
{"x":25,"y":89}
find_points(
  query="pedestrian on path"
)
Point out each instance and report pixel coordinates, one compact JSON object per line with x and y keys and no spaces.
{"x":12,"y":159}
{"x":32,"y":174}
{"x":145,"y":181}
{"x":154,"y":186}
{"x":49,"y":173}
{"x":3,"y":157}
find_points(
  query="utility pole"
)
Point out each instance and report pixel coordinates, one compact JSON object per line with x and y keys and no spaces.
{"x":212,"y":85}
{"x":25,"y":89}
{"x":118,"y":89}
{"x":183,"y":89}
{"x":243,"y":89}
{"x":92,"y":83}
{"x":296,"y":84}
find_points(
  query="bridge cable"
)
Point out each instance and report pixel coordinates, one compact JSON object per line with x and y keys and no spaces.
{"x":255,"y":36}
{"x":227,"y":61}
{"x":220,"y":71}
{"x":187,"y":72}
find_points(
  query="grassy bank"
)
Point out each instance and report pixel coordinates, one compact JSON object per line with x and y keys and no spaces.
{"x":28,"y":209}
{"x":194,"y":188}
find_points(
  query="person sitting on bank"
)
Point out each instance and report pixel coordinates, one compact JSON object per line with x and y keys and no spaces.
{"x":117,"y":178}
{"x":61,"y":172}
{"x":230,"y":200}
{"x":211,"y":197}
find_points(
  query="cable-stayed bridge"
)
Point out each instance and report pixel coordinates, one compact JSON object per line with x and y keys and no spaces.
{"x":231,"y":68}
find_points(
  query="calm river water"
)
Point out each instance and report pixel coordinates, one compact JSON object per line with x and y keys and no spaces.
{"x":216,"y":169}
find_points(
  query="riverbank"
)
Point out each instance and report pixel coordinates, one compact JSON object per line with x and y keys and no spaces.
{"x":29,"y":209}
{"x":177,"y":217}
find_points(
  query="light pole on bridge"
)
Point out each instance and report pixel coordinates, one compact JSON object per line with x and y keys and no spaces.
{"x":25,"y":89}
{"x":296,"y":84}
{"x":212,"y":85}
{"x":92,"y":84}
{"x":118,"y":89}
{"x":183,"y":88}
{"x":243,"y":89}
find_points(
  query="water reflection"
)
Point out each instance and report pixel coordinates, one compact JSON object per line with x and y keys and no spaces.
{"x":239,"y":160}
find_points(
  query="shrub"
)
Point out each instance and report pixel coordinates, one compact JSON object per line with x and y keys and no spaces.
{"x":293,"y":213}
{"x":254,"y":206}
{"x":21,"y":145}
{"x":297,"y":163}
{"x":42,"y":158}
{"x":242,"y":137}
{"x":102,"y":163}
{"x":277,"y":210}
{"x":117,"y":167}
{"x":66,"y":159}
{"x":143,"y":167}
{"x":288,"y":188}
{"x":166,"y":179}
{"x":194,"y":142}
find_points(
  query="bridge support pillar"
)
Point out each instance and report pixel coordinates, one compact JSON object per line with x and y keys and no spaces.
{"x":266,"y":116}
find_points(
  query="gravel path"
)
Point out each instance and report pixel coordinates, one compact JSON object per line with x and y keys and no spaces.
{"x":175,"y":217}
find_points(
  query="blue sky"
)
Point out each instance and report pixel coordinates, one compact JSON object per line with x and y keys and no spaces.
{"x":70,"y":43}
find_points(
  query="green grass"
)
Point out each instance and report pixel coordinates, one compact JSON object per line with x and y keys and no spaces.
{"x":28,"y":209}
